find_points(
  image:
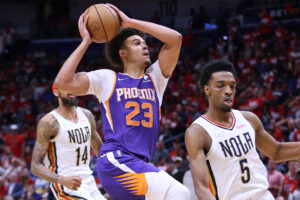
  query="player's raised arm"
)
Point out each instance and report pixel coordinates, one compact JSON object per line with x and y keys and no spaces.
{"x":48,"y":129}
{"x":66,"y":79}
{"x":195,"y":141}
{"x":172,"y":40}
{"x":96,"y":141}
{"x":277,"y":151}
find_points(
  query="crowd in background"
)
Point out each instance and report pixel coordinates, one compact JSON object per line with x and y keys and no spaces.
{"x":266,"y":57}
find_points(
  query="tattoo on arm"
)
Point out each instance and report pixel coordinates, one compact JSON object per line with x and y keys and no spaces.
{"x":96,"y":141}
{"x":47,"y":128}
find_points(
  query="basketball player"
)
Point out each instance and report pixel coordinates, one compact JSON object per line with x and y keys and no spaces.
{"x":66,"y":136}
{"x":130,"y":103}
{"x":222,"y":143}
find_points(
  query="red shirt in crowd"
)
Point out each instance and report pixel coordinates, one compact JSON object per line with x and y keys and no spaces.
{"x":289,"y":185}
{"x":15,"y":142}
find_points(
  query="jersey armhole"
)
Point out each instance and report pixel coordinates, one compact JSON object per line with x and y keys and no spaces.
{"x":112,"y":90}
{"x":59,"y":129}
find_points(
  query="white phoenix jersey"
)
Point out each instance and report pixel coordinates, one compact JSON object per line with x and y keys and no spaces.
{"x":69,"y":151}
{"x":235,"y":169}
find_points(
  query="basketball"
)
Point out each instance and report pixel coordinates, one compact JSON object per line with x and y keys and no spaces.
{"x":103,"y":23}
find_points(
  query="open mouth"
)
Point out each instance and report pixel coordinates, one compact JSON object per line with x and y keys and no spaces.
{"x":72,"y":96}
{"x":228,"y":102}
{"x":146,"y":53}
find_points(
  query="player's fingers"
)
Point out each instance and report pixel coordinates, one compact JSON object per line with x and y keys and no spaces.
{"x":77,"y":182}
{"x":80,"y":20}
{"x":86,"y":19}
{"x":113,"y":7}
{"x":75,"y":188}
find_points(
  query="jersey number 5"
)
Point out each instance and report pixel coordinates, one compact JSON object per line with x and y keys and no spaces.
{"x":148,"y":114}
{"x":245,"y":171}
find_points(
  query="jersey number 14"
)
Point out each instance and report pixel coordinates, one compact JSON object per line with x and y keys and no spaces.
{"x":84,"y":156}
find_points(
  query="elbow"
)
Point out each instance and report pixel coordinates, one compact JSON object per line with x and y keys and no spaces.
{"x":33,"y":169}
{"x":178,"y":38}
{"x":59,"y":83}
{"x":276,"y":157}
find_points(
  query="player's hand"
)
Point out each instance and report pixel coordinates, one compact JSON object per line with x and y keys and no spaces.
{"x":125,"y":20}
{"x":84,"y":33}
{"x":71,"y":182}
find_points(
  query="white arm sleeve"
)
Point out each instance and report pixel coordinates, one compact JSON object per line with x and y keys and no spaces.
{"x":101,"y":83}
{"x":160,"y":81}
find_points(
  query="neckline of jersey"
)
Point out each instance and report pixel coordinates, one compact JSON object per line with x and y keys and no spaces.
{"x":132,"y":77}
{"x":219,"y":124}
{"x":67,"y":118}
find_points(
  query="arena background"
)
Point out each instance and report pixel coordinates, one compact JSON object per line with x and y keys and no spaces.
{"x":260,"y":37}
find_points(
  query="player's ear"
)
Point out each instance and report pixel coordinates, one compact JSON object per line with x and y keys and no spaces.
{"x":206,"y":90}
{"x":122,"y":53}
{"x":55,"y":92}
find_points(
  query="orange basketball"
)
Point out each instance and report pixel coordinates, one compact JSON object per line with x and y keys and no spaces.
{"x":103,"y":23}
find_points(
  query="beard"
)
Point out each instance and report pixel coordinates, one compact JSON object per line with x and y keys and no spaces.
{"x":226,"y":109}
{"x":148,"y":63}
{"x":69,"y":102}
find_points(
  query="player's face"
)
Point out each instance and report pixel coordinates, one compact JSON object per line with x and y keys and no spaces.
{"x":68,"y":99}
{"x":221,"y":90}
{"x":136,"y":51}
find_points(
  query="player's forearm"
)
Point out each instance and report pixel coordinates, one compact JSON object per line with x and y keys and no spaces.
{"x":204,"y":194}
{"x":66,"y":74}
{"x":41,"y":171}
{"x":96,"y":142}
{"x":164,"y":34}
{"x":96,"y":147}
{"x":287,"y":151}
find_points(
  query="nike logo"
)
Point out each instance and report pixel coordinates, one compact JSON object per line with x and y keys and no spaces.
{"x":122,"y":79}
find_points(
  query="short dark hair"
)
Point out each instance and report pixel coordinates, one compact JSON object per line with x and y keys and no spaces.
{"x":215,"y":66}
{"x":112,"y":47}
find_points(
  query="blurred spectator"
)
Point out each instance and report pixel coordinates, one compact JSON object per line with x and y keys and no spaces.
{"x":266,"y":23}
{"x":3,"y":187}
{"x":161,"y":154}
{"x":275,"y":178}
{"x":177,"y":169}
{"x":177,"y":150}
{"x":41,"y":186}
{"x":15,"y":141}
{"x":15,"y":187}
{"x":26,"y":180}
{"x":294,"y":58}
{"x":289,"y":182}
{"x":30,"y":194}
{"x":296,"y":194}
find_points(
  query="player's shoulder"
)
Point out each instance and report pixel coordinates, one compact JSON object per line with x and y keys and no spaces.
{"x":252,"y":119}
{"x":154,"y":66}
{"x":102,"y":71}
{"x":48,"y":119}
{"x":86,"y":112}
{"x":197,"y":138}
{"x":249,"y":115}
{"x":48,"y":123}
{"x":195,"y":130}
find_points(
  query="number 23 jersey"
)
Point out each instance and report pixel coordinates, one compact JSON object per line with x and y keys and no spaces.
{"x":235,"y":169}
{"x":130,"y":109}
